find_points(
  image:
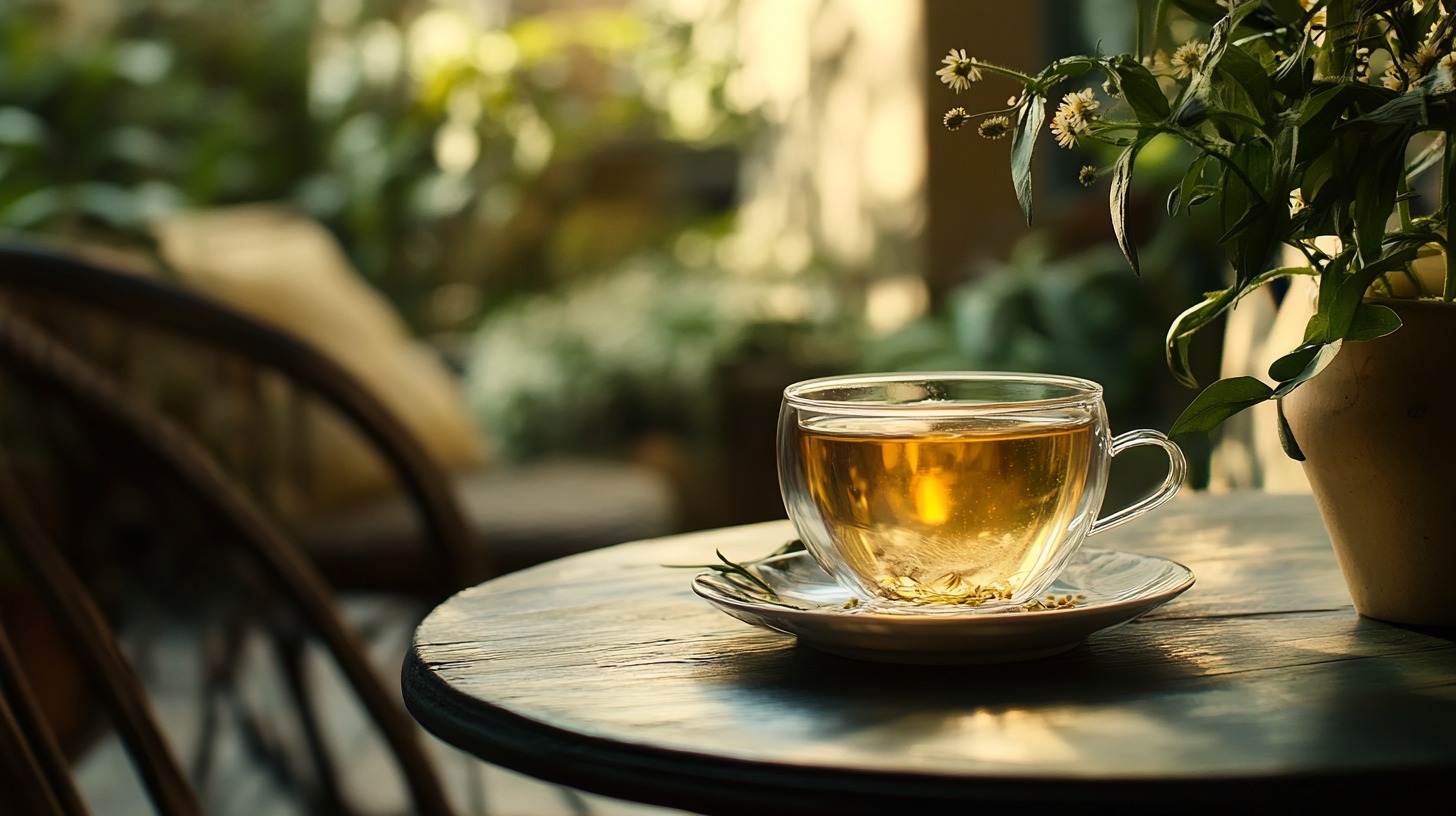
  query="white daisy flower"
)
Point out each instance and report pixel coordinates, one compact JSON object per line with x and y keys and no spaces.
{"x":1065,"y":132}
{"x":1079,"y":108}
{"x":959,"y":71}
{"x":1187,"y":61}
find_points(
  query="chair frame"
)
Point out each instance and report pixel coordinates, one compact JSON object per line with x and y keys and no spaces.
{"x":29,"y":751}
{"x":30,"y":356}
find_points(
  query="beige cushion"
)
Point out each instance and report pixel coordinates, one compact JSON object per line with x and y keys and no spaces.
{"x":285,"y":269}
{"x":525,"y":514}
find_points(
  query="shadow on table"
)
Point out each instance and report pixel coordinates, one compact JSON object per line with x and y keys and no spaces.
{"x":1343,"y":689}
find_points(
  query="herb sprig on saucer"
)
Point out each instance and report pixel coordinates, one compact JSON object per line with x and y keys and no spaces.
{"x":740,"y":574}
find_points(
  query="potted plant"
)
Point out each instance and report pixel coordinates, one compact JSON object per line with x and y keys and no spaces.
{"x":1321,"y":133}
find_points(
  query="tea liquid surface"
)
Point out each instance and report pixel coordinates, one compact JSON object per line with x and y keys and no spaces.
{"x":946,"y":503}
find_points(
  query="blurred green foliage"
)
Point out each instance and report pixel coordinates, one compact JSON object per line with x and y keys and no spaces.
{"x":109,"y":119}
{"x":449,"y":153}
{"x":594,"y":366}
{"x":1079,"y":314}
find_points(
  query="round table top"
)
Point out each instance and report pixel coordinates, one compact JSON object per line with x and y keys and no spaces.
{"x":605,"y":672}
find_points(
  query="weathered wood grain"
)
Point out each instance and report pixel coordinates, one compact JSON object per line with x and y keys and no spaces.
{"x":606,"y":672}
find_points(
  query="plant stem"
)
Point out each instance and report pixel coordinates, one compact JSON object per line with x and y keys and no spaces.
{"x":1236,"y":117}
{"x":1337,"y":31}
{"x":1160,"y":21}
{"x":1139,"y":46}
{"x":997,"y":69}
{"x":1402,"y":199}
{"x":1316,"y":258}
{"x":1448,"y":166}
{"x":1203,"y":147}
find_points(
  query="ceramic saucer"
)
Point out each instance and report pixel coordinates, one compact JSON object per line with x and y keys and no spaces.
{"x":807,"y":603}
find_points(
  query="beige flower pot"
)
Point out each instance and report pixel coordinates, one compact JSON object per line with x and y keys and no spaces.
{"x":1378,"y":428}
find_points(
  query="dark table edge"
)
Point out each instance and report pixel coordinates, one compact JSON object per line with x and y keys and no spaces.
{"x":716,"y":785}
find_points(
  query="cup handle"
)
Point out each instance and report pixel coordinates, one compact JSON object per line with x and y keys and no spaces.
{"x":1177,"y":472}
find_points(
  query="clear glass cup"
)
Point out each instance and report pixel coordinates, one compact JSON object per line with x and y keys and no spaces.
{"x":952,"y":490}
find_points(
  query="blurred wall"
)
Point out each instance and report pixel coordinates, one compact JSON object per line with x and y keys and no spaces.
{"x":837,"y":179}
{"x":971,"y":211}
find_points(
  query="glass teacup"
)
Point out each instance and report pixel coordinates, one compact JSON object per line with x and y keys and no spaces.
{"x":952,"y":490}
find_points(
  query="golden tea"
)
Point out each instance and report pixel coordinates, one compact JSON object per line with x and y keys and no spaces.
{"x":951,"y":510}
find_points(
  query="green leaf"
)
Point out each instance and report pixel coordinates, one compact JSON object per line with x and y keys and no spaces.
{"x":1064,"y":69}
{"x":1409,"y":108}
{"x":1256,"y":214}
{"x":1376,"y":188}
{"x":1023,"y":146}
{"x":1118,"y":200}
{"x":1342,"y":297}
{"x":1286,"y":149}
{"x":1271,"y":275}
{"x":1372,"y":320}
{"x":1318,"y":174}
{"x":1296,"y":74}
{"x":1341,"y":28}
{"x":1322,"y":355}
{"x":1139,"y":88}
{"x":1315,"y":118}
{"x":1319,"y":106}
{"x":1185,"y":190}
{"x":1201,"y":195}
{"x":1317,"y":329}
{"x":1205,"y":10}
{"x":1200,"y":90}
{"x":1286,"y":434}
{"x":1418,"y":238}
{"x":1186,"y":325}
{"x":1249,"y":75}
{"x":1193,"y":107}
{"x":1218,"y":402}
{"x":1253,"y":240}
{"x":1289,"y":12}
{"x":1290,"y":365}
{"x":1211,"y":10}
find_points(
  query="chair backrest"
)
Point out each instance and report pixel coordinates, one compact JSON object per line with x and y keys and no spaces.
{"x":108,"y":315}
{"x":210,"y":530}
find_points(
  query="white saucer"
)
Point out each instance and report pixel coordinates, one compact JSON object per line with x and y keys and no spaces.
{"x":807,"y":603}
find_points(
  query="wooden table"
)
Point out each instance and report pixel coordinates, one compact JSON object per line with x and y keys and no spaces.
{"x":1260,"y":685}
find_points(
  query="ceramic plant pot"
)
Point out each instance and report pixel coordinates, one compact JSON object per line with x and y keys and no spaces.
{"x":1378,"y":428}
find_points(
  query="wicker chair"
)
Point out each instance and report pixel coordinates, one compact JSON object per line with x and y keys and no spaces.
{"x":150,"y":438}
{"x":239,"y":386}
{"x":84,"y":469}
{"x":256,"y":396}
